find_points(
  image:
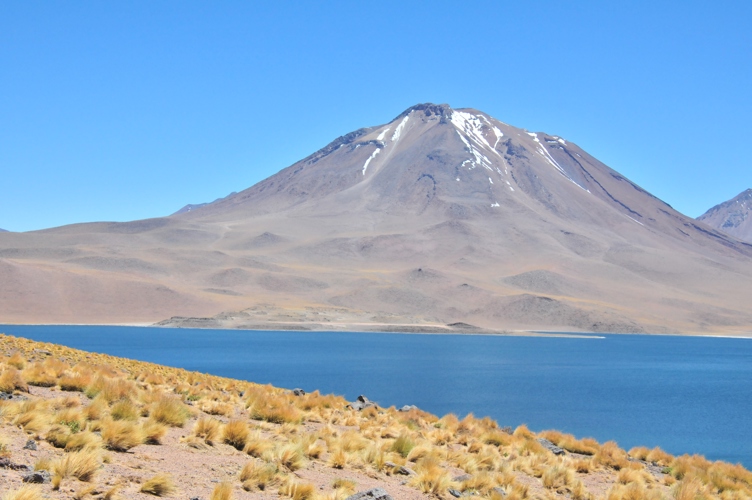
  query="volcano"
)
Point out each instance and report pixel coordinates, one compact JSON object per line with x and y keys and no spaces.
{"x":443,"y":218}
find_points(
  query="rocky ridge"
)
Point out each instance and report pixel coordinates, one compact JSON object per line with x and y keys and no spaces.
{"x":733,"y":217}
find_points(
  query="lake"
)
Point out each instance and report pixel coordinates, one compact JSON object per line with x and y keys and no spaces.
{"x":684,"y":394}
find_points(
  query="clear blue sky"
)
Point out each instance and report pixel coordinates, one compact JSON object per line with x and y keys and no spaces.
{"x":128,"y":110}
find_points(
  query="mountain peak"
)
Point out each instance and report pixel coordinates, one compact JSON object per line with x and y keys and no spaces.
{"x":733,"y":217}
{"x":429,"y":109}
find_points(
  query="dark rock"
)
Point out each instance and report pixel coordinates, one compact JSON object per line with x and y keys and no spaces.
{"x":399,"y":469}
{"x":5,"y":463}
{"x":5,"y":395}
{"x":500,"y":491}
{"x":405,"y":471}
{"x":408,"y":408}
{"x":361,"y":403}
{"x":507,"y":430}
{"x":462,"y":478}
{"x":37,"y":477}
{"x":298,"y":392}
{"x":43,"y":352}
{"x":455,"y":493}
{"x":550,"y":446}
{"x":30,"y":445}
{"x":375,"y":494}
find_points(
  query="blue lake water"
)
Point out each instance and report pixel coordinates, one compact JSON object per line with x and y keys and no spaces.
{"x":684,"y":394}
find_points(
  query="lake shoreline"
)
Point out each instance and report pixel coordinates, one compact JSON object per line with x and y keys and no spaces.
{"x":399,"y":329}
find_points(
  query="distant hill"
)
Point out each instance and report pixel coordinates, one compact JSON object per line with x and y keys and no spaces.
{"x":439,"y":217}
{"x":3,"y":230}
{"x":191,"y":207}
{"x":733,"y":217}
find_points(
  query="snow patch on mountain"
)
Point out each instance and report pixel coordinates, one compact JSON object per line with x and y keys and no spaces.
{"x":398,"y":131}
{"x":373,"y":155}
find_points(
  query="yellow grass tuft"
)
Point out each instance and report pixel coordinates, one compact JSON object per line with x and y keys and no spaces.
{"x":83,"y":492}
{"x":345,"y":486}
{"x":557,"y":477}
{"x":479,"y":482}
{"x":235,"y":433}
{"x":298,"y":490}
{"x":112,"y":493}
{"x":171,"y":411}
{"x":26,"y":492}
{"x":275,"y":408}
{"x":153,"y":431}
{"x":660,"y":457}
{"x":83,"y":440}
{"x":256,"y":445}
{"x":207,"y":429}
{"x":257,"y":475}
{"x":291,"y":457}
{"x":403,"y":445}
{"x":584,"y":446}
{"x":523,"y":432}
{"x":83,"y":465}
{"x":610,"y":455}
{"x":431,"y":477}
{"x":338,"y":459}
{"x":217,"y":408}
{"x":38,"y":375}
{"x":58,"y":436}
{"x":639,"y":452}
{"x":17,"y":361}
{"x":223,"y":491}
{"x":96,"y":409}
{"x":159,"y":485}
{"x":627,"y":476}
{"x":122,"y":435}
{"x":75,"y":383}
{"x":11,"y":380}
{"x":110,"y":389}
{"x":124,"y":410}
{"x":582,"y":466}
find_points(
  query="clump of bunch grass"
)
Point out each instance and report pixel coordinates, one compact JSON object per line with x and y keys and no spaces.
{"x":275,"y":408}
{"x":223,"y":491}
{"x":124,"y":409}
{"x":122,"y":435}
{"x":11,"y":380}
{"x":610,"y":455}
{"x":235,"y":433}
{"x":207,"y":429}
{"x":153,"y":431}
{"x":431,"y":478}
{"x":298,"y":490}
{"x":83,"y":440}
{"x":345,"y":486}
{"x":403,"y":445}
{"x":291,"y":456}
{"x":26,"y":492}
{"x":170,"y":410}
{"x":83,"y":465}
{"x":258,"y":475}
{"x":159,"y":485}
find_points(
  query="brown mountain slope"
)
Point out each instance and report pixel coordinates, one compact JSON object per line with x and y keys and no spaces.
{"x":440,"y":216}
{"x":733,"y":217}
